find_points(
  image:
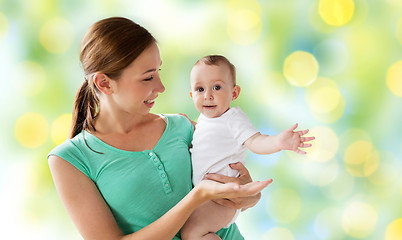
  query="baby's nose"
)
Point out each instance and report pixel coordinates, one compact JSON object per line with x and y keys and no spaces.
{"x":208,"y":95}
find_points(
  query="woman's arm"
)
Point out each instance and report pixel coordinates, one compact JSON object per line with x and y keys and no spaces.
{"x":244,"y":178}
{"x":94,"y":220}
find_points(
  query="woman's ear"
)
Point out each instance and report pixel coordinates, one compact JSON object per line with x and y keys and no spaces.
{"x":236,"y":92}
{"x":103,"y":83}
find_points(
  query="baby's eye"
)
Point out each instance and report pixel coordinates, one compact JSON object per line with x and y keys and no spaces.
{"x":217,"y":87}
{"x":200,"y":89}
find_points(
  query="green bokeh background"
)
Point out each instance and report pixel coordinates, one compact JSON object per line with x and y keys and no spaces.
{"x":298,"y":205}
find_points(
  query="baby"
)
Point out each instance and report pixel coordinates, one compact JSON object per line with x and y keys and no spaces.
{"x":221,"y":137}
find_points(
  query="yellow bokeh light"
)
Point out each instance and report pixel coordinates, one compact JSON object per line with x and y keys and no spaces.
{"x":300,"y":68}
{"x":278,"y":233}
{"x":31,"y":130}
{"x":284,"y":205}
{"x":359,"y":219}
{"x":3,"y":26}
{"x":395,"y":3}
{"x":336,"y":12}
{"x":325,"y":100}
{"x":387,"y":171}
{"x":394,"y":78}
{"x":361,"y":159}
{"x":60,"y":128}
{"x":244,"y":21}
{"x":57,"y":35}
{"x":29,"y":78}
{"x":325,"y":145}
{"x":394,"y":230}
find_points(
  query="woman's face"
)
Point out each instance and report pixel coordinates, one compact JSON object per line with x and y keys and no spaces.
{"x":139,"y":84}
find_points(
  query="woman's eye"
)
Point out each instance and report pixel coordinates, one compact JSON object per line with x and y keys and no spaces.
{"x":149,"y":79}
{"x":200,"y":89}
{"x":217,"y":87}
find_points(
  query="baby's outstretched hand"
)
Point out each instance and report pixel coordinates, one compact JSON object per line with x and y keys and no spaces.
{"x":293,"y":140}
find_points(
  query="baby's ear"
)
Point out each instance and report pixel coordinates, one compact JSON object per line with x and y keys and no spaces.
{"x":236,"y":92}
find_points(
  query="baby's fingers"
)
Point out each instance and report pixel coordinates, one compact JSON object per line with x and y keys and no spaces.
{"x":306,"y":139}
{"x":305,"y":145}
{"x":300,"y":152}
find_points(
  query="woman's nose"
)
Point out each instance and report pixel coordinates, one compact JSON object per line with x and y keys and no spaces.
{"x":160,"y":87}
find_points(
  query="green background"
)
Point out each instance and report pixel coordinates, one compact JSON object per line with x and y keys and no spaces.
{"x":349,"y":184}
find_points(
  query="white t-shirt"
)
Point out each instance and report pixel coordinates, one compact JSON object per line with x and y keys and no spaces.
{"x":217,"y":142}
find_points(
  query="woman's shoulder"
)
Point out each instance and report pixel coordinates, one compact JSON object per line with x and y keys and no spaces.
{"x":72,"y":150}
{"x":69,"y":145}
{"x":176,"y":119}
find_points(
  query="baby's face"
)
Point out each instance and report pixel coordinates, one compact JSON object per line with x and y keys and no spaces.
{"x":212,"y":89}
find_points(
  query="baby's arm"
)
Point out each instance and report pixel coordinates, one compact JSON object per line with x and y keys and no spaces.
{"x":286,"y":140}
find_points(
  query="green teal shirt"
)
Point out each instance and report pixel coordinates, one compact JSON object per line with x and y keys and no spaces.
{"x":139,"y":187}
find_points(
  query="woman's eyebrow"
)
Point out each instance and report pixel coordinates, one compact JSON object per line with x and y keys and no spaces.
{"x":151,"y":70}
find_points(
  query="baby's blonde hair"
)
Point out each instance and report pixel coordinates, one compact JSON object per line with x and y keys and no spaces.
{"x":217,"y":60}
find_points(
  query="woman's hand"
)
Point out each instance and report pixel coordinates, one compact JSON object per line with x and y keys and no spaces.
{"x":238,"y":202}
{"x":192,"y":122}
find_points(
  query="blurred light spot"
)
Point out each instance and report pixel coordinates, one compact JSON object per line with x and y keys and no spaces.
{"x":320,"y":173}
{"x":399,"y":30}
{"x":278,"y":233}
{"x":387,"y":171}
{"x":60,"y":128}
{"x":336,"y":12}
{"x":327,"y":224}
{"x":340,"y":188}
{"x":333,"y":56}
{"x":394,"y":78}
{"x":325,"y":144}
{"x":359,"y":219}
{"x":300,"y":69}
{"x":361,"y":159}
{"x":57,"y":35}
{"x":396,"y":3}
{"x":276,"y":85}
{"x":3,"y":26}
{"x":29,"y":78}
{"x":394,"y":230}
{"x":244,"y":21}
{"x":284,"y":205}
{"x":31,"y":130}
{"x":325,"y":100}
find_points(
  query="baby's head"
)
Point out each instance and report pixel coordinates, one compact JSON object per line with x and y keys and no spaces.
{"x":213,"y":85}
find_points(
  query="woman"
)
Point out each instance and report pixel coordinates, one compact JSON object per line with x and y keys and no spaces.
{"x":125,"y":173}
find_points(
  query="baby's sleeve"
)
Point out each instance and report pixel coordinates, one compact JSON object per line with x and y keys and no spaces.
{"x":240,"y":126}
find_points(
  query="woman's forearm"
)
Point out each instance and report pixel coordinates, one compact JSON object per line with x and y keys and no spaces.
{"x":167,"y":226}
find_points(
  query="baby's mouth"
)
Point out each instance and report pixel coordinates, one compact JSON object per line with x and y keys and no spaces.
{"x":209,"y":106}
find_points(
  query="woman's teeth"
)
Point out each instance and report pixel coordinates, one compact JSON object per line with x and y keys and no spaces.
{"x":150,"y":101}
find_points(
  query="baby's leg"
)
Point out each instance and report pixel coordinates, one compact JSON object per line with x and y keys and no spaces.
{"x":207,"y":219}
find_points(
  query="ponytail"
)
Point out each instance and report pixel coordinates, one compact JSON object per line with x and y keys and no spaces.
{"x":86,"y":106}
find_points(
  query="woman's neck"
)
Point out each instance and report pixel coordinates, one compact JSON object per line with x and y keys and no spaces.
{"x":123,"y":123}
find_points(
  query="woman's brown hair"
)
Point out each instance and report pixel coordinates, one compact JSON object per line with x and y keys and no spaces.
{"x":109,"y":46}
